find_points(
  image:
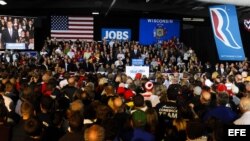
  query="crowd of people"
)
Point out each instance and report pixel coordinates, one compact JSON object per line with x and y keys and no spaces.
{"x":79,"y":91}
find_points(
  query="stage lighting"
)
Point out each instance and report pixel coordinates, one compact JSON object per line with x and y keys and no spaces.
{"x":95,"y":13}
{"x":2,"y":2}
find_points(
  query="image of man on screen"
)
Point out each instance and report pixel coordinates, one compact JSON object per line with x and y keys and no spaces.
{"x":9,"y":34}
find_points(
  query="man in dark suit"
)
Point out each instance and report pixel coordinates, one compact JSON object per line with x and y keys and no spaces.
{"x":30,"y":28}
{"x":9,"y":34}
{"x":135,"y":53}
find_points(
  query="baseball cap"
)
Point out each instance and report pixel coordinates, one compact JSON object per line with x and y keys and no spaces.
{"x":138,"y":76}
{"x":128,"y":95}
{"x":221,"y":87}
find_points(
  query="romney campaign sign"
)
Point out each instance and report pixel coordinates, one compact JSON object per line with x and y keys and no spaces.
{"x":154,"y":31}
{"x":116,"y":34}
{"x":226,"y":32}
{"x":137,"y":62}
{"x":131,"y":71}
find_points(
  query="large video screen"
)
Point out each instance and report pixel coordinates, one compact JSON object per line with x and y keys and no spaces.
{"x":17,"y":32}
{"x":154,"y":31}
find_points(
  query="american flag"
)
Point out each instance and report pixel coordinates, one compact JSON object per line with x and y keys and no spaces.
{"x":72,"y":28}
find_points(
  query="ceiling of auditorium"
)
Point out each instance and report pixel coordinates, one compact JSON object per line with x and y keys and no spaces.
{"x":189,"y":8}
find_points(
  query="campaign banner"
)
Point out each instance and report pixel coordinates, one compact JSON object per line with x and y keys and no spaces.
{"x":158,"y":30}
{"x":137,"y":62}
{"x":116,"y":34}
{"x":133,"y":70}
{"x":226,"y":32}
{"x":30,"y":53}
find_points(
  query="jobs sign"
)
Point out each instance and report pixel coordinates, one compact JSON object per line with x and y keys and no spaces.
{"x":116,"y":34}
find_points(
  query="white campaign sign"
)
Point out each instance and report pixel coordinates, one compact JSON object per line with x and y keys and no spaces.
{"x":132,"y":70}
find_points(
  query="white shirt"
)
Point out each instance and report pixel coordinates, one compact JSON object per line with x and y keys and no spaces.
{"x":18,"y":107}
{"x":8,"y":102}
{"x":58,"y":50}
{"x":7,"y":58}
{"x":186,"y":56}
{"x":10,"y":31}
{"x":143,"y":56}
{"x":63,"y":83}
{"x":20,"y":32}
{"x":43,"y":53}
{"x":154,"y":99}
{"x":208,"y":83}
{"x":120,"y":55}
{"x":179,"y":60}
{"x":14,"y":57}
{"x":166,"y":83}
{"x":154,"y":64}
{"x":244,"y":119}
{"x":111,"y":43}
{"x":222,"y":70}
{"x":71,"y":54}
{"x":31,"y":46}
{"x":118,"y":63}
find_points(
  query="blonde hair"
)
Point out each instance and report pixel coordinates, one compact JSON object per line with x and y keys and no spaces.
{"x":115,"y":103}
{"x":180,"y":124}
{"x":245,"y":104}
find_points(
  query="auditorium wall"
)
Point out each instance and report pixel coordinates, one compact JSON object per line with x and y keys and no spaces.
{"x":199,"y":37}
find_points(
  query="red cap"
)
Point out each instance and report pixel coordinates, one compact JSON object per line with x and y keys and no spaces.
{"x":121,"y":90}
{"x":128,"y":94}
{"x":221,"y":88}
{"x":138,"y":76}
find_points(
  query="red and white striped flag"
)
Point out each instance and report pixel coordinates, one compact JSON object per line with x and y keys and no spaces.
{"x":72,"y":28}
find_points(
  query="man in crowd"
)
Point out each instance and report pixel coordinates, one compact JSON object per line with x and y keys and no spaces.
{"x":245,"y":109}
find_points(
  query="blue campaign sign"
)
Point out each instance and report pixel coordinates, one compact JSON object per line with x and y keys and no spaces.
{"x":137,"y":62}
{"x":30,"y":53}
{"x":116,"y":34}
{"x":226,"y":32}
{"x":157,"y":30}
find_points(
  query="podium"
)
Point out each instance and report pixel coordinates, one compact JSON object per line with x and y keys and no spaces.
{"x":15,"y":46}
{"x":131,"y":71}
{"x":137,"y":62}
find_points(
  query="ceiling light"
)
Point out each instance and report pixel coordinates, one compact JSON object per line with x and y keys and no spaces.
{"x":193,"y":19}
{"x":95,"y":13}
{"x":2,"y":2}
{"x":234,"y":2}
{"x":198,"y":8}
